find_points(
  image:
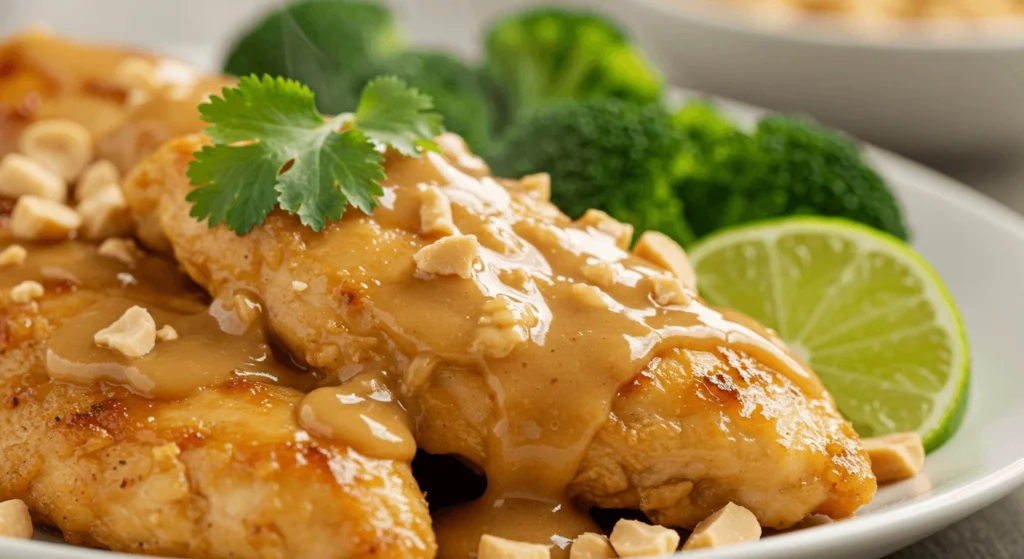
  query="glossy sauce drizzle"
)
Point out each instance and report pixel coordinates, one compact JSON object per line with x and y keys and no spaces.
{"x":208,"y":351}
{"x":513,"y":369}
{"x":213,"y":343}
{"x":527,"y":355}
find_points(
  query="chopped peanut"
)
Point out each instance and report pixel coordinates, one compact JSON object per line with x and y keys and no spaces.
{"x":664,"y":252}
{"x":246,"y":309}
{"x":729,"y":525}
{"x":40,"y":219}
{"x":299,"y":286}
{"x":135,"y":72}
{"x":105,"y":214}
{"x":449,"y":256}
{"x":504,"y":324}
{"x":167,"y":333}
{"x":632,"y":538}
{"x":63,"y":146}
{"x":621,"y":232}
{"x":537,"y":186}
{"x":134,"y":334}
{"x":591,"y":546}
{"x":96,"y":176}
{"x":589,"y":295}
{"x":27,"y":291}
{"x":492,"y":547}
{"x":419,"y":371}
{"x":811,"y":522}
{"x":669,"y":290}
{"x":121,"y":249}
{"x":13,"y":255}
{"x":455,"y":147}
{"x":24,"y":176}
{"x":600,"y":273}
{"x":15,"y":520}
{"x":895,"y":457}
{"x":436,"y":213}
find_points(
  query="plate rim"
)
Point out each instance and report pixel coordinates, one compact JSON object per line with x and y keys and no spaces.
{"x":968,"y":497}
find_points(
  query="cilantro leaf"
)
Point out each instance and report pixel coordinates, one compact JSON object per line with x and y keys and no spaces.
{"x":392,"y":113}
{"x":243,"y":206}
{"x":345,"y":169}
{"x":272,"y":147}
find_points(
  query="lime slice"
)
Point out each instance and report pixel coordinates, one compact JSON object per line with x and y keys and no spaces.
{"x":864,"y":310}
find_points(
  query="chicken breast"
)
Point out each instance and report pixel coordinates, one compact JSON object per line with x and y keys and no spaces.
{"x":193,"y":448}
{"x":223,"y":471}
{"x":536,"y":348}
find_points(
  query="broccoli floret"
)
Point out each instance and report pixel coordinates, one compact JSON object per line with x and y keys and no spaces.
{"x":606,"y":154}
{"x":790,"y":165}
{"x":555,"y":54}
{"x":458,"y":91}
{"x":317,"y":42}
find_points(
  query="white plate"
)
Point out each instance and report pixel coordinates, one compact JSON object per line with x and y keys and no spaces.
{"x":977,"y":246}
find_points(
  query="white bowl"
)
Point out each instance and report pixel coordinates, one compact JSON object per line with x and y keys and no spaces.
{"x":923,"y":88}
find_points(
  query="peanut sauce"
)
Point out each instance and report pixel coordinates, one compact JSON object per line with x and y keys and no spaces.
{"x":513,"y":368}
{"x":204,"y":354}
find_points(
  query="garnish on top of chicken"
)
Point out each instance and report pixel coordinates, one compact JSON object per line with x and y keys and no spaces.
{"x":466,"y":316}
{"x":194,"y":449}
{"x":541,"y":350}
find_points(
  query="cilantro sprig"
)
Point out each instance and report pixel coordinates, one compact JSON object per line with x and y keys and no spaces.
{"x":272,"y":147}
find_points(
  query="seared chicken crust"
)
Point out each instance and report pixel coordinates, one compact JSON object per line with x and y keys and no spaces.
{"x":226,"y":472}
{"x":539,"y":350}
{"x":223,"y":471}
{"x":697,"y":428}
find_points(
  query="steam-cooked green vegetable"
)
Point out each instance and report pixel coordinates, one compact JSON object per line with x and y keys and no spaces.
{"x":457,"y":90}
{"x":319,"y":43}
{"x":788,"y":166}
{"x":554,"y":54}
{"x":606,"y":154}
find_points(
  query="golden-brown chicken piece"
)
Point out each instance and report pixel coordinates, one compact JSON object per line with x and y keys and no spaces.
{"x":130,"y":102}
{"x":225,"y":471}
{"x":193,"y":449}
{"x":536,"y":348}
{"x":700,"y":429}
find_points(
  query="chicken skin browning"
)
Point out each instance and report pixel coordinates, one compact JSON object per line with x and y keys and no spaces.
{"x":466,"y":312}
{"x":507,"y":362}
{"x":223,"y":472}
{"x":193,"y":450}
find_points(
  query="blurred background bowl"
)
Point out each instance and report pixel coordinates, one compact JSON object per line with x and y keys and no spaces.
{"x":932,"y":90}
{"x":924,"y":88}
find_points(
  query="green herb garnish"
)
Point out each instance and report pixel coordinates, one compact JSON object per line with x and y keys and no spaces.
{"x":272,"y":147}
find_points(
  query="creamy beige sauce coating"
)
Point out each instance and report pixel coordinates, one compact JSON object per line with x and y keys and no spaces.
{"x":211,"y":347}
{"x":363,"y":414}
{"x":550,"y":356}
{"x":552,"y":317}
{"x":555,"y":386}
{"x":213,"y":343}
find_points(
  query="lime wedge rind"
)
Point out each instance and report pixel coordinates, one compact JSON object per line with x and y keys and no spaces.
{"x":949,"y":400}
